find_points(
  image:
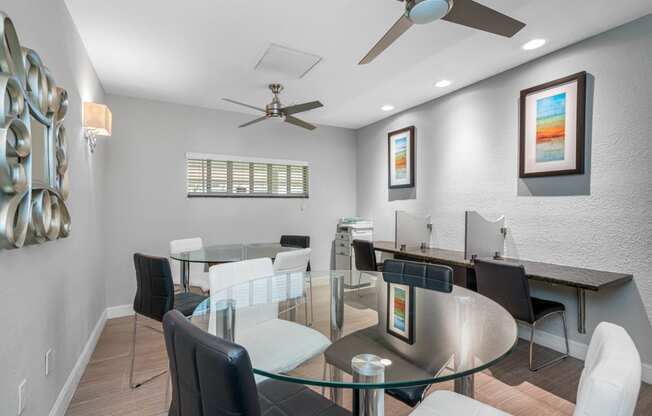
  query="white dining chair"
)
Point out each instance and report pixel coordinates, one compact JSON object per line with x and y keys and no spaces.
{"x":292,"y":261}
{"x":198,"y":275}
{"x":274,"y":344}
{"x":296,"y":261}
{"x":609,"y":384}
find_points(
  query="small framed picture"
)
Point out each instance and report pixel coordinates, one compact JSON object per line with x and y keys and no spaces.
{"x":400,"y":156}
{"x":400,"y":311}
{"x":552,"y":128}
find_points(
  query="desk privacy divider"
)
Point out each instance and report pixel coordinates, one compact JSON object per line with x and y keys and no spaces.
{"x":483,"y":238}
{"x":411,"y":230}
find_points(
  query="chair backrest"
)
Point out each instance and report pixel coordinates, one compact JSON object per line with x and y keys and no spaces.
{"x":225,"y":275}
{"x":611,"y":378}
{"x":507,"y":284}
{"x":299,"y":241}
{"x":292,"y":261}
{"x":365,"y":256}
{"x":230,"y":274}
{"x":181,"y":246}
{"x":154,"y":287}
{"x":210,"y":376}
{"x":426,"y":275}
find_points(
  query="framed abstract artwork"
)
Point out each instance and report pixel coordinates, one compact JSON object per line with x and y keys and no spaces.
{"x":400,"y":311}
{"x":552,"y":128}
{"x":400,"y":156}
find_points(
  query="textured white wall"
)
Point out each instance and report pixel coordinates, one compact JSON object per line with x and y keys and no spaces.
{"x":467,"y":150}
{"x":147,"y":204}
{"x":53,"y":294}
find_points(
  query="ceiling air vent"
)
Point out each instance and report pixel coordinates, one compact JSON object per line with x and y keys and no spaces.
{"x":287,"y":62}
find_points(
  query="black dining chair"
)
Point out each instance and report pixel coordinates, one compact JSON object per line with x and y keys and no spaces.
{"x":298,"y":241}
{"x":365,"y":256}
{"x":424,"y":275}
{"x":154,"y":298}
{"x":508,"y":285}
{"x":214,"y":377}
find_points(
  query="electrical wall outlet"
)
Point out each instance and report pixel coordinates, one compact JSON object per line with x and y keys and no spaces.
{"x":22,"y":397}
{"x":48,"y":362}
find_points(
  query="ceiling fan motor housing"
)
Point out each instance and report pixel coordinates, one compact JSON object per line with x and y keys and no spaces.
{"x":274,"y":109}
{"x":426,"y":11}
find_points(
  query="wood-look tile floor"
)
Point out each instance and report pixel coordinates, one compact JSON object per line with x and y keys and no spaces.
{"x":510,"y":386}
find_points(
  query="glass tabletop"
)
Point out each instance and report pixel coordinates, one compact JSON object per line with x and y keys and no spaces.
{"x":311,"y":327}
{"x":226,"y":253}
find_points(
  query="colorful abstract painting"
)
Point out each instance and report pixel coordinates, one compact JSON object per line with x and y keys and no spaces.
{"x":551,"y":128}
{"x":400,"y":158}
{"x":399,"y":308}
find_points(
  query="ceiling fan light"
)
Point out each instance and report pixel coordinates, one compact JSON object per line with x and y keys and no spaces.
{"x":426,"y":11}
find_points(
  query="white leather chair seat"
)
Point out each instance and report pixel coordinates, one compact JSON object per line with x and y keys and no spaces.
{"x":447,"y":403}
{"x":281,"y":346}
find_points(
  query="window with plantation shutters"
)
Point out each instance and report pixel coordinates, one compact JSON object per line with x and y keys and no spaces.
{"x":233,"y":176}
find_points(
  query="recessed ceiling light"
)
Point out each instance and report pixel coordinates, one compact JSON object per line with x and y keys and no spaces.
{"x":534,"y":44}
{"x":443,"y":83}
{"x":387,"y":107}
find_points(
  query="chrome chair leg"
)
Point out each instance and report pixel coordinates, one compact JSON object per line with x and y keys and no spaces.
{"x":555,"y":360}
{"x":132,"y":384}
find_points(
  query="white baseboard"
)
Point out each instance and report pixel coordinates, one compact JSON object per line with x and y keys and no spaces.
{"x":119,"y":311}
{"x":576,"y":349}
{"x":554,"y":342}
{"x":65,"y":395}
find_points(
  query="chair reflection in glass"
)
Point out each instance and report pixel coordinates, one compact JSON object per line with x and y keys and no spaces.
{"x":418,"y":275}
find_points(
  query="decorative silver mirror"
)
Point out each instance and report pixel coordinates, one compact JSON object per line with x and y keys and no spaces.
{"x":33,"y":160}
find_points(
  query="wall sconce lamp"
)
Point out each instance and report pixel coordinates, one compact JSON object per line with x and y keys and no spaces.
{"x":97,"y":122}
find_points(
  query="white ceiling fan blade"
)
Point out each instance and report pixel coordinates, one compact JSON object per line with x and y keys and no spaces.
{"x":243,"y":104}
{"x":400,"y":27}
{"x":474,"y":15}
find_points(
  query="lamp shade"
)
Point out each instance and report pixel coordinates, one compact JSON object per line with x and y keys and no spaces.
{"x":98,"y":118}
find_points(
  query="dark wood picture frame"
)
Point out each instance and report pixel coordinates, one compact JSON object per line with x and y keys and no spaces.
{"x":580,"y":78}
{"x":412,"y":151}
{"x":410,"y":316}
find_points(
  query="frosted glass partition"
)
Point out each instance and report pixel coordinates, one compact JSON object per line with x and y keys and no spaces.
{"x":483,"y":238}
{"x":412,"y":230}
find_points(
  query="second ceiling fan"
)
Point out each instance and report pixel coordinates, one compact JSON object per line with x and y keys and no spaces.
{"x":276,"y":111}
{"x":463,"y":12}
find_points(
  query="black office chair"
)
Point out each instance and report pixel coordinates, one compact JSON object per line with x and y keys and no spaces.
{"x":508,"y":285}
{"x":154,"y":298}
{"x":298,"y":241}
{"x":365,"y":256}
{"x":214,"y":377}
{"x":424,"y":275}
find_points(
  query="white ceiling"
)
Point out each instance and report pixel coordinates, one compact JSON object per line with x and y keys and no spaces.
{"x":195,"y":52}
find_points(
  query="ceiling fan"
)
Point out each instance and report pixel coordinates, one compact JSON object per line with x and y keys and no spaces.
{"x":275,"y":110}
{"x":463,"y":12}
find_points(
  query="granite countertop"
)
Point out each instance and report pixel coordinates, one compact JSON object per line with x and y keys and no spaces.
{"x":547,"y":272}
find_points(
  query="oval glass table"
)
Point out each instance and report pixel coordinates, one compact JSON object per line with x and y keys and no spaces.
{"x":225,"y":253}
{"x":368,"y":331}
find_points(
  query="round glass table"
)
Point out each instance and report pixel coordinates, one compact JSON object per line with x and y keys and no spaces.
{"x":225,"y":253}
{"x":370,"y":332}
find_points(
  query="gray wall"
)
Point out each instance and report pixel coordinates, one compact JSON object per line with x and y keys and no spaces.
{"x":145,"y":181}
{"x":54,"y":294}
{"x":467,"y":160}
